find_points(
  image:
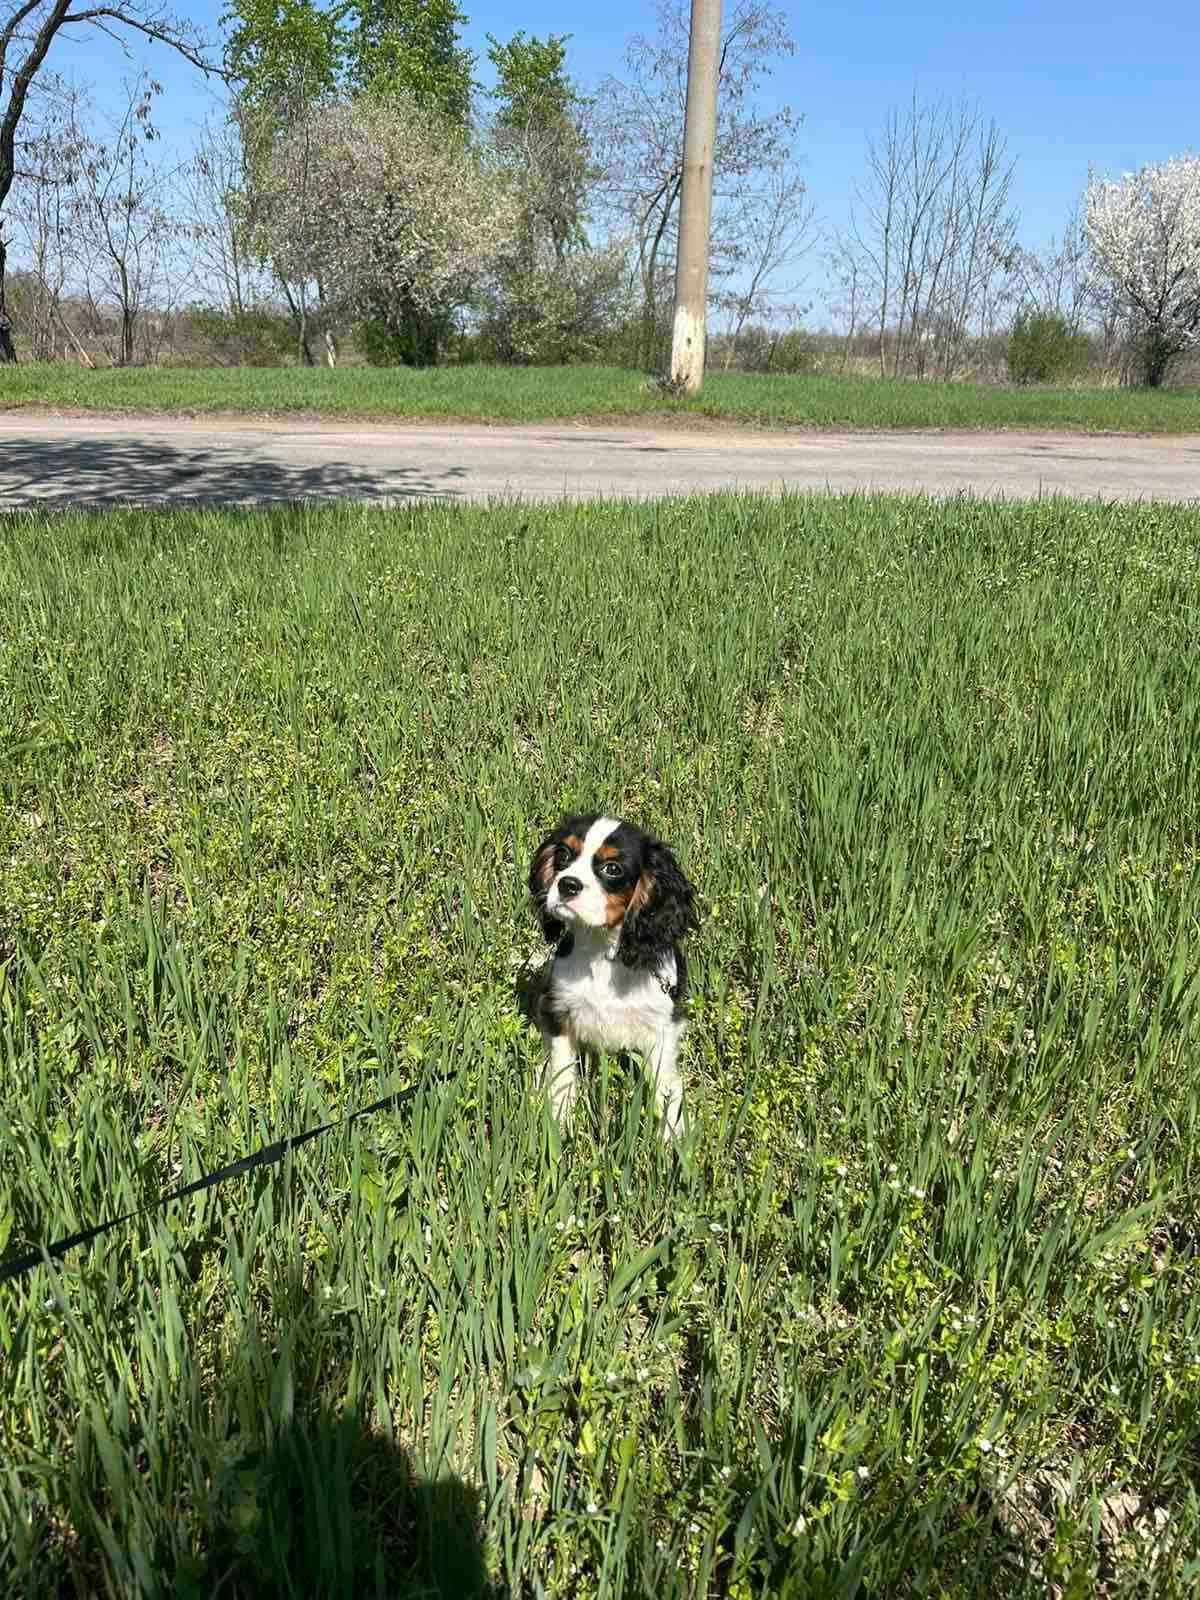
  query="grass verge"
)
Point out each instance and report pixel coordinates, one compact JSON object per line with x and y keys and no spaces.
{"x":532,"y":394}
{"x":915,"y":1310}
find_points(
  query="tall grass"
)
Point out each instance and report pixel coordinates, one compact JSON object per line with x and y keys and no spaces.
{"x":913,"y":1311}
{"x":531,"y":394}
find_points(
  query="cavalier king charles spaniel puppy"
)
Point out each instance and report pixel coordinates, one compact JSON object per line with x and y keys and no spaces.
{"x":616,"y":904}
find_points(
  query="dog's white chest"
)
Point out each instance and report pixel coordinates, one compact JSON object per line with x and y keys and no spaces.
{"x":610,"y":1006}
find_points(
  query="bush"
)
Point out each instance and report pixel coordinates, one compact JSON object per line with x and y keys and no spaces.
{"x":1043,"y":347}
{"x":258,"y":337}
{"x":412,"y":337}
{"x":550,"y":312}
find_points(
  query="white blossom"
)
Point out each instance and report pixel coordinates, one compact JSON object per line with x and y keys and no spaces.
{"x":1143,"y":231}
{"x":383,"y":207}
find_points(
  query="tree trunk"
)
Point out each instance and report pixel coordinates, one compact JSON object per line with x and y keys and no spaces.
{"x":1156,"y":358}
{"x":8,"y":350}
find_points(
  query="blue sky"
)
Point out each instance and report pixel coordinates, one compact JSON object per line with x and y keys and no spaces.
{"x":1069,"y":84}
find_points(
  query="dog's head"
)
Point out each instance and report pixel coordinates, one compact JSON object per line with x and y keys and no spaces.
{"x":599,"y":872}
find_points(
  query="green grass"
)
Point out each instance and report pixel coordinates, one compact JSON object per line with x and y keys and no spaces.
{"x":530,"y":394}
{"x":914,"y":1311}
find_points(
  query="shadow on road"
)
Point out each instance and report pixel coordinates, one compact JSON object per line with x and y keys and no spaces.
{"x":90,"y":471}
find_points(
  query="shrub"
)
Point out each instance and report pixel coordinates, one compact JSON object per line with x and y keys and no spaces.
{"x":257,"y":337}
{"x":1043,"y":347}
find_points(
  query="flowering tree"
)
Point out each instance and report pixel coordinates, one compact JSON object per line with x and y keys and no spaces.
{"x":387,"y":211}
{"x":1143,"y":233}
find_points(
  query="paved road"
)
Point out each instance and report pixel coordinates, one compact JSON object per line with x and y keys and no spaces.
{"x":62,"y":461}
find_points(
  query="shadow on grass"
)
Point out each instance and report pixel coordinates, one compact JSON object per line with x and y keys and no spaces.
{"x":98,"y":471}
{"x":332,"y":1509}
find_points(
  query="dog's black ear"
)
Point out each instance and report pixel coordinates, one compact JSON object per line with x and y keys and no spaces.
{"x":541,"y":876}
{"x":661,"y":911}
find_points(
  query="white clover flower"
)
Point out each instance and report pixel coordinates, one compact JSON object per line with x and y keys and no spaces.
{"x":592,"y":1508}
{"x":863,"y":1473}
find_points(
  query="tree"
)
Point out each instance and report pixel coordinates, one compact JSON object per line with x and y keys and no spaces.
{"x":122,"y":230}
{"x":273,"y":48}
{"x":552,"y":296}
{"x":641,"y":145}
{"x":410,"y":48}
{"x":1143,"y":232}
{"x":28,"y":29}
{"x":284,"y":58}
{"x":1056,"y":281}
{"x":41,"y":218}
{"x":933,"y":231}
{"x":773,"y":237}
{"x":292,"y":57}
{"x":213,"y":209}
{"x":538,"y":133}
{"x":393,"y":215}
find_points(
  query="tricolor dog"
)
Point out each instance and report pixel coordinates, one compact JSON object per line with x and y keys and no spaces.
{"x":617,"y":906}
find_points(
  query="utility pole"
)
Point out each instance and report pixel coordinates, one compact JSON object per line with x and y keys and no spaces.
{"x":695,"y":201}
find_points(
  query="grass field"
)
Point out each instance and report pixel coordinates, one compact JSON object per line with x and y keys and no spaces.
{"x":913,"y":1311}
{"x":530,"y":394}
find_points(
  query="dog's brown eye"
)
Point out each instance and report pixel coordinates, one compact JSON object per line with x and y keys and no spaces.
{"x":610,"y":870}
{"x":561,"y":856}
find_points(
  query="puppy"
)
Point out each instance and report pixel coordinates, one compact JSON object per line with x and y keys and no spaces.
{"x":616,"y":904}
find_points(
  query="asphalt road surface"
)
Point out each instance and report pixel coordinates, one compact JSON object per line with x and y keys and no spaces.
{"x":71,"y":461}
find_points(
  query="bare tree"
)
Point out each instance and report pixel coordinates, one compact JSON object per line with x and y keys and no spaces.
{"x":28,"y":29}
{"x":213,"y":210}
{"x":639,"y":142}
{"x":772,"y":236}
{"x":847,"y":273}
{"x":1057,"y":281}
{"x":42,"y":220}
{"x":123,"y":232}
{"x":933,"y":233}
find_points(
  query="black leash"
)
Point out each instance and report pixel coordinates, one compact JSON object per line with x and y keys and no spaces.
{"x":15,"y":1266}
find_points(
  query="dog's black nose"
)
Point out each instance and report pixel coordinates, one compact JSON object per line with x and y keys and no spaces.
{"x":568,"y":888}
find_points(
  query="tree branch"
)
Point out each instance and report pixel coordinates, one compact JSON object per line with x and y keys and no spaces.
{"x":163,"y":30}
